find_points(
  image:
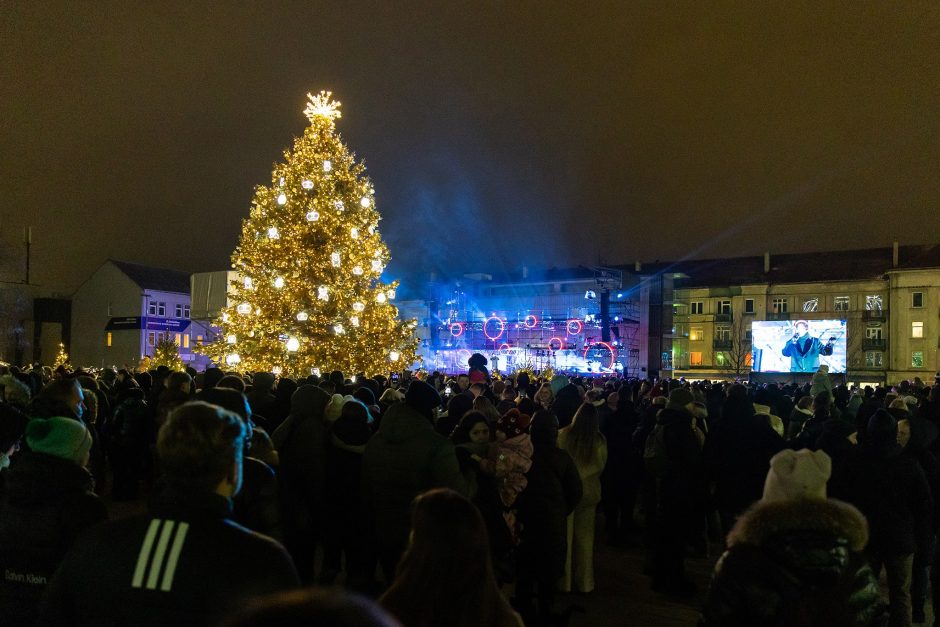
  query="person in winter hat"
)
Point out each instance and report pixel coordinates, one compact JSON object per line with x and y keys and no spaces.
{"x":60,"y":437}
{"x":795,"y":557}
{"x":12,"y":428}
{"x":46,"y":501}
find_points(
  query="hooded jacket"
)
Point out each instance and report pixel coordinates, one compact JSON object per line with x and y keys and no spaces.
{"x":794,"y":562}
{"x":301,"y":445}
{"x":46,"y":502}
{"x":404,"y":458}
{"x":184,"y":563}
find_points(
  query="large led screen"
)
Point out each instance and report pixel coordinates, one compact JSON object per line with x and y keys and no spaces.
{"x":798,"y":345}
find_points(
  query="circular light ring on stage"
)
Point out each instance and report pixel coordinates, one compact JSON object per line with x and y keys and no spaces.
{"x":456,"y":329}
{"x":577,"y":324}
{"x":613,"y":352}
{"x":561,"y":344}
{"x":462,"y":362}
{"x":530,"y":321}
{"x":502,"y":328}
{"x":504,"y":347}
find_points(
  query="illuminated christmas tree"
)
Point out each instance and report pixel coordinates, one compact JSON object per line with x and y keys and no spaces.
{"x":310,"y":260}
{"x":166,"y":353}
{"x":61,"y":358}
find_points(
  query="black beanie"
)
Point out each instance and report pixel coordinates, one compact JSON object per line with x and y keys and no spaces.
{"x":423,"y":397}
{"x":882,"y":428}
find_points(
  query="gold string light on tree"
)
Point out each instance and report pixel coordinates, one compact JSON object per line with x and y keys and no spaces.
{"x":310,"y":259}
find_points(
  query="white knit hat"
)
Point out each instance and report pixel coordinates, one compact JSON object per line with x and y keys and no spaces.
{"x":797,"y":474}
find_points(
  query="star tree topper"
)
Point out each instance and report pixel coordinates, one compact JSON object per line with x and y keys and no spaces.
{"x":323,"y":106}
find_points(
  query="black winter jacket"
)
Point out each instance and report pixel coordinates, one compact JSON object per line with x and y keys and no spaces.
{"x":184,"y":563}
{"x":552,"y":492}
{"x":892,"y":492}
{"x":795,"y":562}
{"x":46,"y":503}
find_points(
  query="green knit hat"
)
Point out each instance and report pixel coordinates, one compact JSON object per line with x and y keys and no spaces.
{"x":62,"y":437}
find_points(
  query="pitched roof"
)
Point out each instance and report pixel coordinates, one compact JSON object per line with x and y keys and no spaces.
{"x":150,"y":278}
{"x":868,"y":263}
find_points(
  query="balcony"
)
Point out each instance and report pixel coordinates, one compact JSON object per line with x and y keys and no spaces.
{"x":874,"y":315}
{"x":871,"y":344}
{"x":782,"y":315}
{"x":722,"y":345}
{"x":724,"y":317}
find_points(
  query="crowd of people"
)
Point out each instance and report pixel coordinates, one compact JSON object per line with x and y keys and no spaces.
{"x":467,"y":500}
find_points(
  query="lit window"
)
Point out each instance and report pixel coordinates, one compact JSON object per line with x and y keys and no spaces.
{"x":720,"y":359}
{"x":698,"y":307}
{"x":186,"y":340}
{"x":151,"y":338}
{"x":723,"y":333}
{"x":917,"y":329}
{"x":780,"y":305}
{"x":695,"y":358}
{"x":873,"y":333}
{"x":917,"y":299}
{"x":917,"y":359}
{"x":841,"y":303}
{"x":695,"y":334}
{"x":198,"y":340}
{"x":811,"y":304}
{"x":749,"y":305}
{"x":108,"y":339}
{"x":177,"y":339}
{"x":874,"y":359}
{"x":873,"y":303}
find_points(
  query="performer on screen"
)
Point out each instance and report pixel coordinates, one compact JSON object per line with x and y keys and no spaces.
{"x":804,"y":349}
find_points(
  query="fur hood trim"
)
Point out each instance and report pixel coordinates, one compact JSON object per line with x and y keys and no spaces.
{"x":766,"y":519}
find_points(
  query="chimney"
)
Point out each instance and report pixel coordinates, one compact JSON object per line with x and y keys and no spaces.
{"x":525,"y":272}
{"x":895,"y":253}
{"x":637,"y":266}
{"x":766,"y":262}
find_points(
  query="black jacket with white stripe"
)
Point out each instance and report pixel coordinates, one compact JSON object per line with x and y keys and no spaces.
{"x":185,"y":563}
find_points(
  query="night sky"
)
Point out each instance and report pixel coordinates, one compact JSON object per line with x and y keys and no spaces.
{"x":495,"y":135}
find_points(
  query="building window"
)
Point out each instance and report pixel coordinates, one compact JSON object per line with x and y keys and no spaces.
{"x":179,"y":310}
{"x":186,"y":340}
{"x":811,"y":304}
{"x":917,"y":299}
{"x":177,"y":339}
{"x":842,"y":303}
{"x":107,"y":339}
{"x":747,"y":335}
{"x":720,"y":359}
{"x":151,"y":338}
{"x":695,"y":358}
{"x":151,"y":308}
{"x":724,"y":307}
{"x":198,"y":340}
{"x":186,"y":311}
{"x":723,"y":333}
{"x":873,"y":303}
{"x":917,"y":329}
{"x":873,"y":359}
{"x":917,"y":359}
{"x":697,"y":307}
{"x":873,"y":333}
{"x":779,"y":305}
{"x":749,"y":305}
{"x":695,"y":334}
{"x":161,"y":309}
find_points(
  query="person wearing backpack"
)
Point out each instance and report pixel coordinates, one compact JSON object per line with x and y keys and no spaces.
{"x":673,"y":458}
